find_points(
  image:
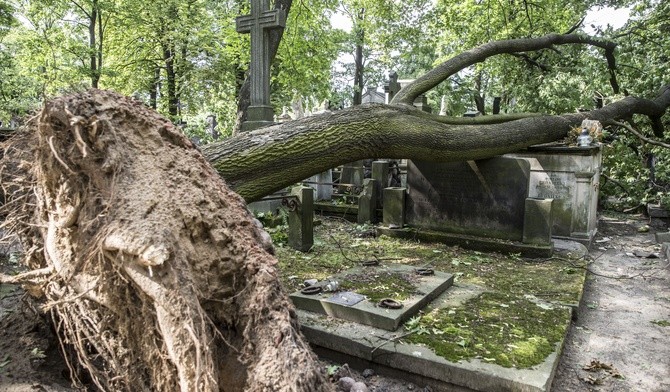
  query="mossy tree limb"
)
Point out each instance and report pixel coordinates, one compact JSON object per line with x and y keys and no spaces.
{"x":257,"y":163}
{"x":513,"y":46}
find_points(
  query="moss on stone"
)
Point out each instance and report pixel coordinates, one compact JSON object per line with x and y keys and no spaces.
{"x":378,"y":285}
{"x":517,"y":322}
{"x":494,"y":327}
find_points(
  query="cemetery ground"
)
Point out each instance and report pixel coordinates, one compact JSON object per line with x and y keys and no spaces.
{"x":619,"y":338}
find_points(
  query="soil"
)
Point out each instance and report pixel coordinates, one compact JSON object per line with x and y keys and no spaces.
{"x":151,"y":290}
{"x":620,"y":334}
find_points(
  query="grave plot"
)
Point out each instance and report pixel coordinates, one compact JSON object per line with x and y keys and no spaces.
{"x":499,"y":327}
{"x":382,"y":296}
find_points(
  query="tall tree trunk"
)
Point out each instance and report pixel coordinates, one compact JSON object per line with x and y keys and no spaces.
{"x":478,"y":96}
{"x":94,"y":52}
{"x":153,"y":88}
{"x":358,"y":59}
{"x":171,"y":80}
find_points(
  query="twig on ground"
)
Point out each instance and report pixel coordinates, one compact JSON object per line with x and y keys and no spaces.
{"x":389,"y":340}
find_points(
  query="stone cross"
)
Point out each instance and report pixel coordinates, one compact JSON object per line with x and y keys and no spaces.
{"x":258,"y":24}
{"x":392,"y":87}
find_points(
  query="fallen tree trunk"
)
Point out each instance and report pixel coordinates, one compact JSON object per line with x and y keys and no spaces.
{"x":257,"y":163}
{"x":151,"y":266}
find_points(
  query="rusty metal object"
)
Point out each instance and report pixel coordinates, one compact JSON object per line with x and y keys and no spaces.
{"x":389,"y":303}
{"x":425,"y":271}
{"x":290,"y":202}
{"x":311,"y":290}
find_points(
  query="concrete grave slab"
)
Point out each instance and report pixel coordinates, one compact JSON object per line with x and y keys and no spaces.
{"x":381,"y":350}
{"x":391,"y":353}
{"x":427,"y":287}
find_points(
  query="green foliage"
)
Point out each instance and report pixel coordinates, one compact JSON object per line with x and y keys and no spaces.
{"x":276,"y":224}
{"x":661,"y":323}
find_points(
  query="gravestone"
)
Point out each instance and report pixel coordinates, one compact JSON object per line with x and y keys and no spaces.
{"x":322,"y":184}
{"x":483,"y":198}
{"x":571,"y":177}
{"x":350,"y":305}
{"x":301,"y":218}
{"x":367,"y":202}
{"x":258,"y":24}
{"x":392,"y":87}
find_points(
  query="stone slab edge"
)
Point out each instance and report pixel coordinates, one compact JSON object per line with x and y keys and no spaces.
{"x":376,"y":346}
{"x":369,"y":314}
{"x":470,"y":242}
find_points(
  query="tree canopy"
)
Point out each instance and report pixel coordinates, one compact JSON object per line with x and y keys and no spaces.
{"x":185,"y":59}
{"x":155,"y":289}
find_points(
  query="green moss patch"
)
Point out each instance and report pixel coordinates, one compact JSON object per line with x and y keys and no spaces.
{"x":377,"y":285}
{"x":494,"y":327}
{"x":517,"y":322}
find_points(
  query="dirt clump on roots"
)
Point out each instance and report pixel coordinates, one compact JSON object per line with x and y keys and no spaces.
{"x":152,"y":269}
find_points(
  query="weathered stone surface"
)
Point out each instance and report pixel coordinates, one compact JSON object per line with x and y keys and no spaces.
{"x":322,"y":183}
{"x":570,"y":176}
{"x":662,"y":237}
{"x":537,"y":222}
{"x":344,"y":384}
{"x":367,"y":312}
{"x":260,"y":112}
{"x":394,"y":207}
{"x":359,"y":387}
{"x":483,"y":198}
{"x":301,"y":220}
{"x":380,"y":173}
{"x":367,"y":202}
{"x":352,"y":175}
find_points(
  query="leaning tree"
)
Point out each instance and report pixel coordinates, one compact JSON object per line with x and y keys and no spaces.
{"x":150,"y":264}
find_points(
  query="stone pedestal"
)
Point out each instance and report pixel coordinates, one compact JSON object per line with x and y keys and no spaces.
{"x":380,"y":172}
{"x":394,"y":207}
{"x":537,"y":221}
{"x":570,"y":176}
{"x":259,"y":116}
{"x":301,"y":218}
{"x":367,"y":202}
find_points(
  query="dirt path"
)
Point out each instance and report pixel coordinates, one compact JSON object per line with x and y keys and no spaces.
{"x":617,"y":326}
{"x":618,"y":322}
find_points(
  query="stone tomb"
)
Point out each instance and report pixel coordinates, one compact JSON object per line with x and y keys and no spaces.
{"x":483,"y":198}
{"x":480,"y":204}
{"x":348,"y":303}
{"x":571,"y":177}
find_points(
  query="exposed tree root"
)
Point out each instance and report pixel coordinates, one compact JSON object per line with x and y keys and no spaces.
{"x":149,"y":264}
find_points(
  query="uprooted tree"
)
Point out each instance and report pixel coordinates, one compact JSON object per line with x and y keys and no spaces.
{"x":152,"y":267}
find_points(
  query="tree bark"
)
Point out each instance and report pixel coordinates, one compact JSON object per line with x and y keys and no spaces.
{"x":154,"y":290}
{"x":473,"y":56}
{"x":258,"y":163}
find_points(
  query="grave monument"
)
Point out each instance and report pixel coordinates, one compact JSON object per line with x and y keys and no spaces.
{"x":258,"y":23}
